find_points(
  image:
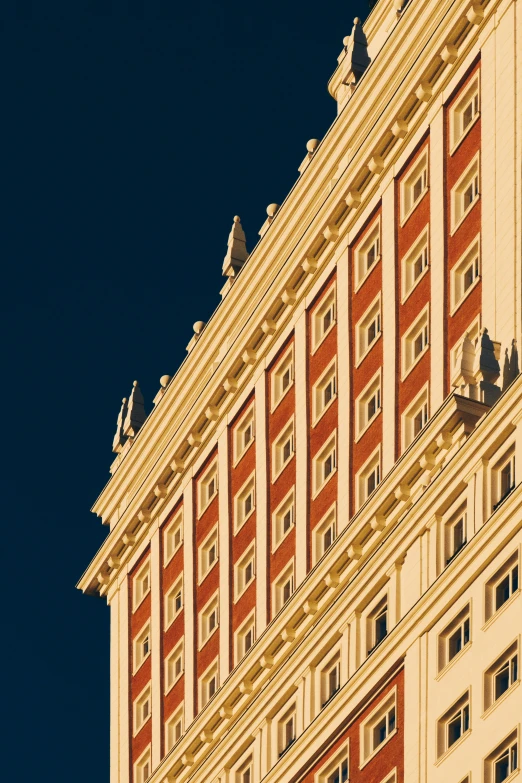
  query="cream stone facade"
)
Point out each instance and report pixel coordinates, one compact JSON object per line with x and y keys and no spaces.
{"x":314,"y":549}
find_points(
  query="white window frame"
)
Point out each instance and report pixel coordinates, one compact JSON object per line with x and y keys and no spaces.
{"x":420,"y":405}
{"x":141,"y":585}
{"x":247,"y":490}
{"x":327,"y":455}
{"x":276,"y":377}
{"x":138,"y":721}
{"x":246,"y":422}
{"x":171,"y":612}
{"x":379,"y":605}
{"x":205,"y":632}
{"x":506,"y":464}
{"x":243,"y":771}
{"x":505,"y":572}
{"x":204,"y":567}
{"x":278,"y":463}
{"x":418,"y":171}
{"x":248,"y":557}
{"x":372,"y":390}
{"x":506,"y":659}
{"x":143,"y":766}
{"x":204,"y":500}
{"x":171,"y":723}
{"x":507,"y":744}
{"x":450,"y":544}
{"x":328,"y":304}
{"x":204,"y":683}
{"x":328,"y":379}
{"x":327,"y":523}
{"x":331,"y":665}
{"x":460,"y":626}
{"x":284,"y":576}
{"x":460,"y":709}
{"x":469,"y":98}
{"x":171,"y":676}
{"x":470,"y":177}
{"x":372,"y":241}
{"x":368,"y":748}
{"x":470,"y":259}
{"x":372,"y":316}
{"x":420,"y":327}
{"x":247,"y":626}
{"x":361,"y":487}
{"x":278,"y":534}
{"x":138,"y":657}
{"x":334,"y":764}
{"x":173,"y":531}
{"x":419,"y":250}
{"x":282,"y":742}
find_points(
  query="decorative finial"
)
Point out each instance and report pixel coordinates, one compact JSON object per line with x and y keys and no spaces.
{"x":271,"y":210}
{"x":312,"y":145}
{"x":136,"y":416}
{"x":237,"y":252}
{"x":164,"y":381}
{"x":119,"y":438}
{"x":198,"y":327}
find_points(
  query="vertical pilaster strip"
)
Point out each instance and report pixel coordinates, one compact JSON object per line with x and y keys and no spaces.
{"x":224,"y":555}
{"x":345,"y":671}
{"x":300,"y":705}
{"x":301,"y":449}
{"x":412,"y":712}
{"x":189,"y":601}
{"x":488,"y":183}
{"x":155,"y":633}
{"x":343,"y":392}
{"x":389,"y":327}
{"x":114,"y":603}
{"x":262,"y":521}
{"x":124,"y":680}
{"x":354,"y":656}
{"x":437,"y":315}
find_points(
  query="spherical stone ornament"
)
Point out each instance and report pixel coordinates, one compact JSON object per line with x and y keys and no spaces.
{"x":165,"y":380}
{"x":312,"y":145}
{"x":198,"y":327}
{"x":272,"y":209}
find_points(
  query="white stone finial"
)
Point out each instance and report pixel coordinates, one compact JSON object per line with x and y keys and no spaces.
{"x":136,"y":415}
{"x":237,"y":252}
{"x":119,"y":438}
{"x":271,"y":210}
{"x":312,"y":145}
{"x":164,"y":381}
{"x":198,"y":327}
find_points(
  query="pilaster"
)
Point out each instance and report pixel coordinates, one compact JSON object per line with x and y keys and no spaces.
{"x":261,"y":503}
{"x":224,"y":554}
{"x":189,"y":601}
{"x":301,"y":449}
{"x":437,"y":244}
{"x":114,"y":603}
{"x":389,"y":327}
{"x":343,"y":392}
{"x":155,"y":646}
{"x":124,"y":681}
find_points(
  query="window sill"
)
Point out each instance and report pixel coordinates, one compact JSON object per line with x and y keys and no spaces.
{"x":168,"y":559}
{"x":415,"y":363}
{"x":318,"y":343}
{"x":239,"y":457}
{"x":317,"y":418}
{"x":202,"y":509}
{"x":136,"y":670}
{"x":456,"y":225}
{"x":406,"y":295}
{"x":367,"y":426}
{"x":450,"y":750}
{"x":136,"y":606}
{"x":281,"y":470}
{"x":456,"y":144}
{"x":208,"y":638}
{"x":462,"y":299}
{"x":363,"y":356}
{"x":503,"y":498}
{"x":202,"y":578}
{"x":512,"y":598}
{"x":363,"y":279}
{"x":170,"y":687}
{"x":407,"y":216}
{"x":500,"y":699}
{"x":378,"y":749}
{"x":278,"y":544}
{"x":238,"y":595}
{"x":281,"y":398}
{"x":317,"y":491}
{"x":456,"y":658}
{"x":238,"y":526}
{"x":170,"y":622}
{"x":142,"y":726}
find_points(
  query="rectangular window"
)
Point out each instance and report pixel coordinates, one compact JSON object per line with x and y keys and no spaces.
{"x":174,"y":729}
{"x":455,"y":536}
{"x":323,"y":319}
{"x":324,"y":464}
{"x":282,"y":377}
{"x":503,"y":761}
{"x":141,"y":585}
{"x":245,"y":571}
{"x":330,"y":679}
{"x":377,"y":624}
{"x":208,"y":554}
{"x":245,"y":637}
{"x":501,"y":676}
{"x":453,"y":725}
{"x":209,"y":620}
{"x":368,"y":405}
{"x":415,"y":342}
{"x":465,"y":112}
{"x":336,"y":769}
{"x":244,"y":433}
{"x":245,"y":503}
{"x":368,"y":478}
{"x":173,"y":602}
{"x":246,"y":772}
{"x":174,"y":666}
{"x":367,"y":254}
{"x":283,"y":449}
{"x":368,"y":330}
{"x":465,"y":274}
{"x":208,"y":487}
{"x":141,"y":646}
{"x":454,"y":638}
{"x":324,"y":534}
{"x":286,"y":731}
{"x":209,"y":683}
{"x":283,"y":587}
{"x":502,"y":586}
{"x":283,"y":520}
{"x":413,"y":186}
{"x":504,"y":478}
{"x":142,"y":709}
{"x":143,"y":767}
{"x":465,"y":193}
{"x":379,"y":727}
{"x":173,"y":537}
{"x":415,"y":417}
{"x":414,"y":264}
{"x":324,"y":392}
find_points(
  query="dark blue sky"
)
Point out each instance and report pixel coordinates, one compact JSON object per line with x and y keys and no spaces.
{"x":132,"y":132}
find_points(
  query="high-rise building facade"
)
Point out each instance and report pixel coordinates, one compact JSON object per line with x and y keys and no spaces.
{"x":313,"y":564}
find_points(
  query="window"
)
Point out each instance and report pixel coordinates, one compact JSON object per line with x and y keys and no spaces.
{"x":454,"y":638}
{"x":209,"y":684}
{"x":336,"y":770}
{"x":325,"y":533}
{"x":174,"y":729}
{"x":464,"y":113}
{"x":324,"y":464}
{"x":141,"y":584}
{"x":174,"y":666}
{"x":286,"y":731}
{"x":465,"y":193}
{"x":174,"y":602}
{"x":453,"y":725}
{"x":368,"y":477}
{"x":244,"y":434}
{"x":367,"y":254}
{"x":282,"y":377}
{"x":142,"y":709}
{"x":208,"y":554}
{"x":323,"y":318}
{"x":173,"y":537}
{"x":377,"y":624}
{"x":504,"y":477}
{"x":330,"y":679}
{"x":283,"y":449}
{"x":368,"y":330}
{"x":142,"y":646}
{"x":143,"y":767}
{"x":324,"y":392}
{"x":465,"y":274}
{"x":454,"y":535}
{"x":379,"y":727}
{"x":245,"y":503}
{"x":208,"y":487}
{"x":283,"y":587}
{"x":414,"y":264}
{"x":503,"y":762}
{"x":501,"y":676}
{"x":368,"y":405}
{"x":245,"y":571}
{"x":415,"y":342}
{"x":245,"y":637}
{"x":245,"y":774}
{"x":283,"y":520}
{"x":413,"y":186}
{"x":209,"y":620}
{"x":415,"y":418}
{"x":502,"y":586}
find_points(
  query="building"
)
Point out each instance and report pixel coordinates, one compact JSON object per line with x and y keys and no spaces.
{"x":313,"y":564}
